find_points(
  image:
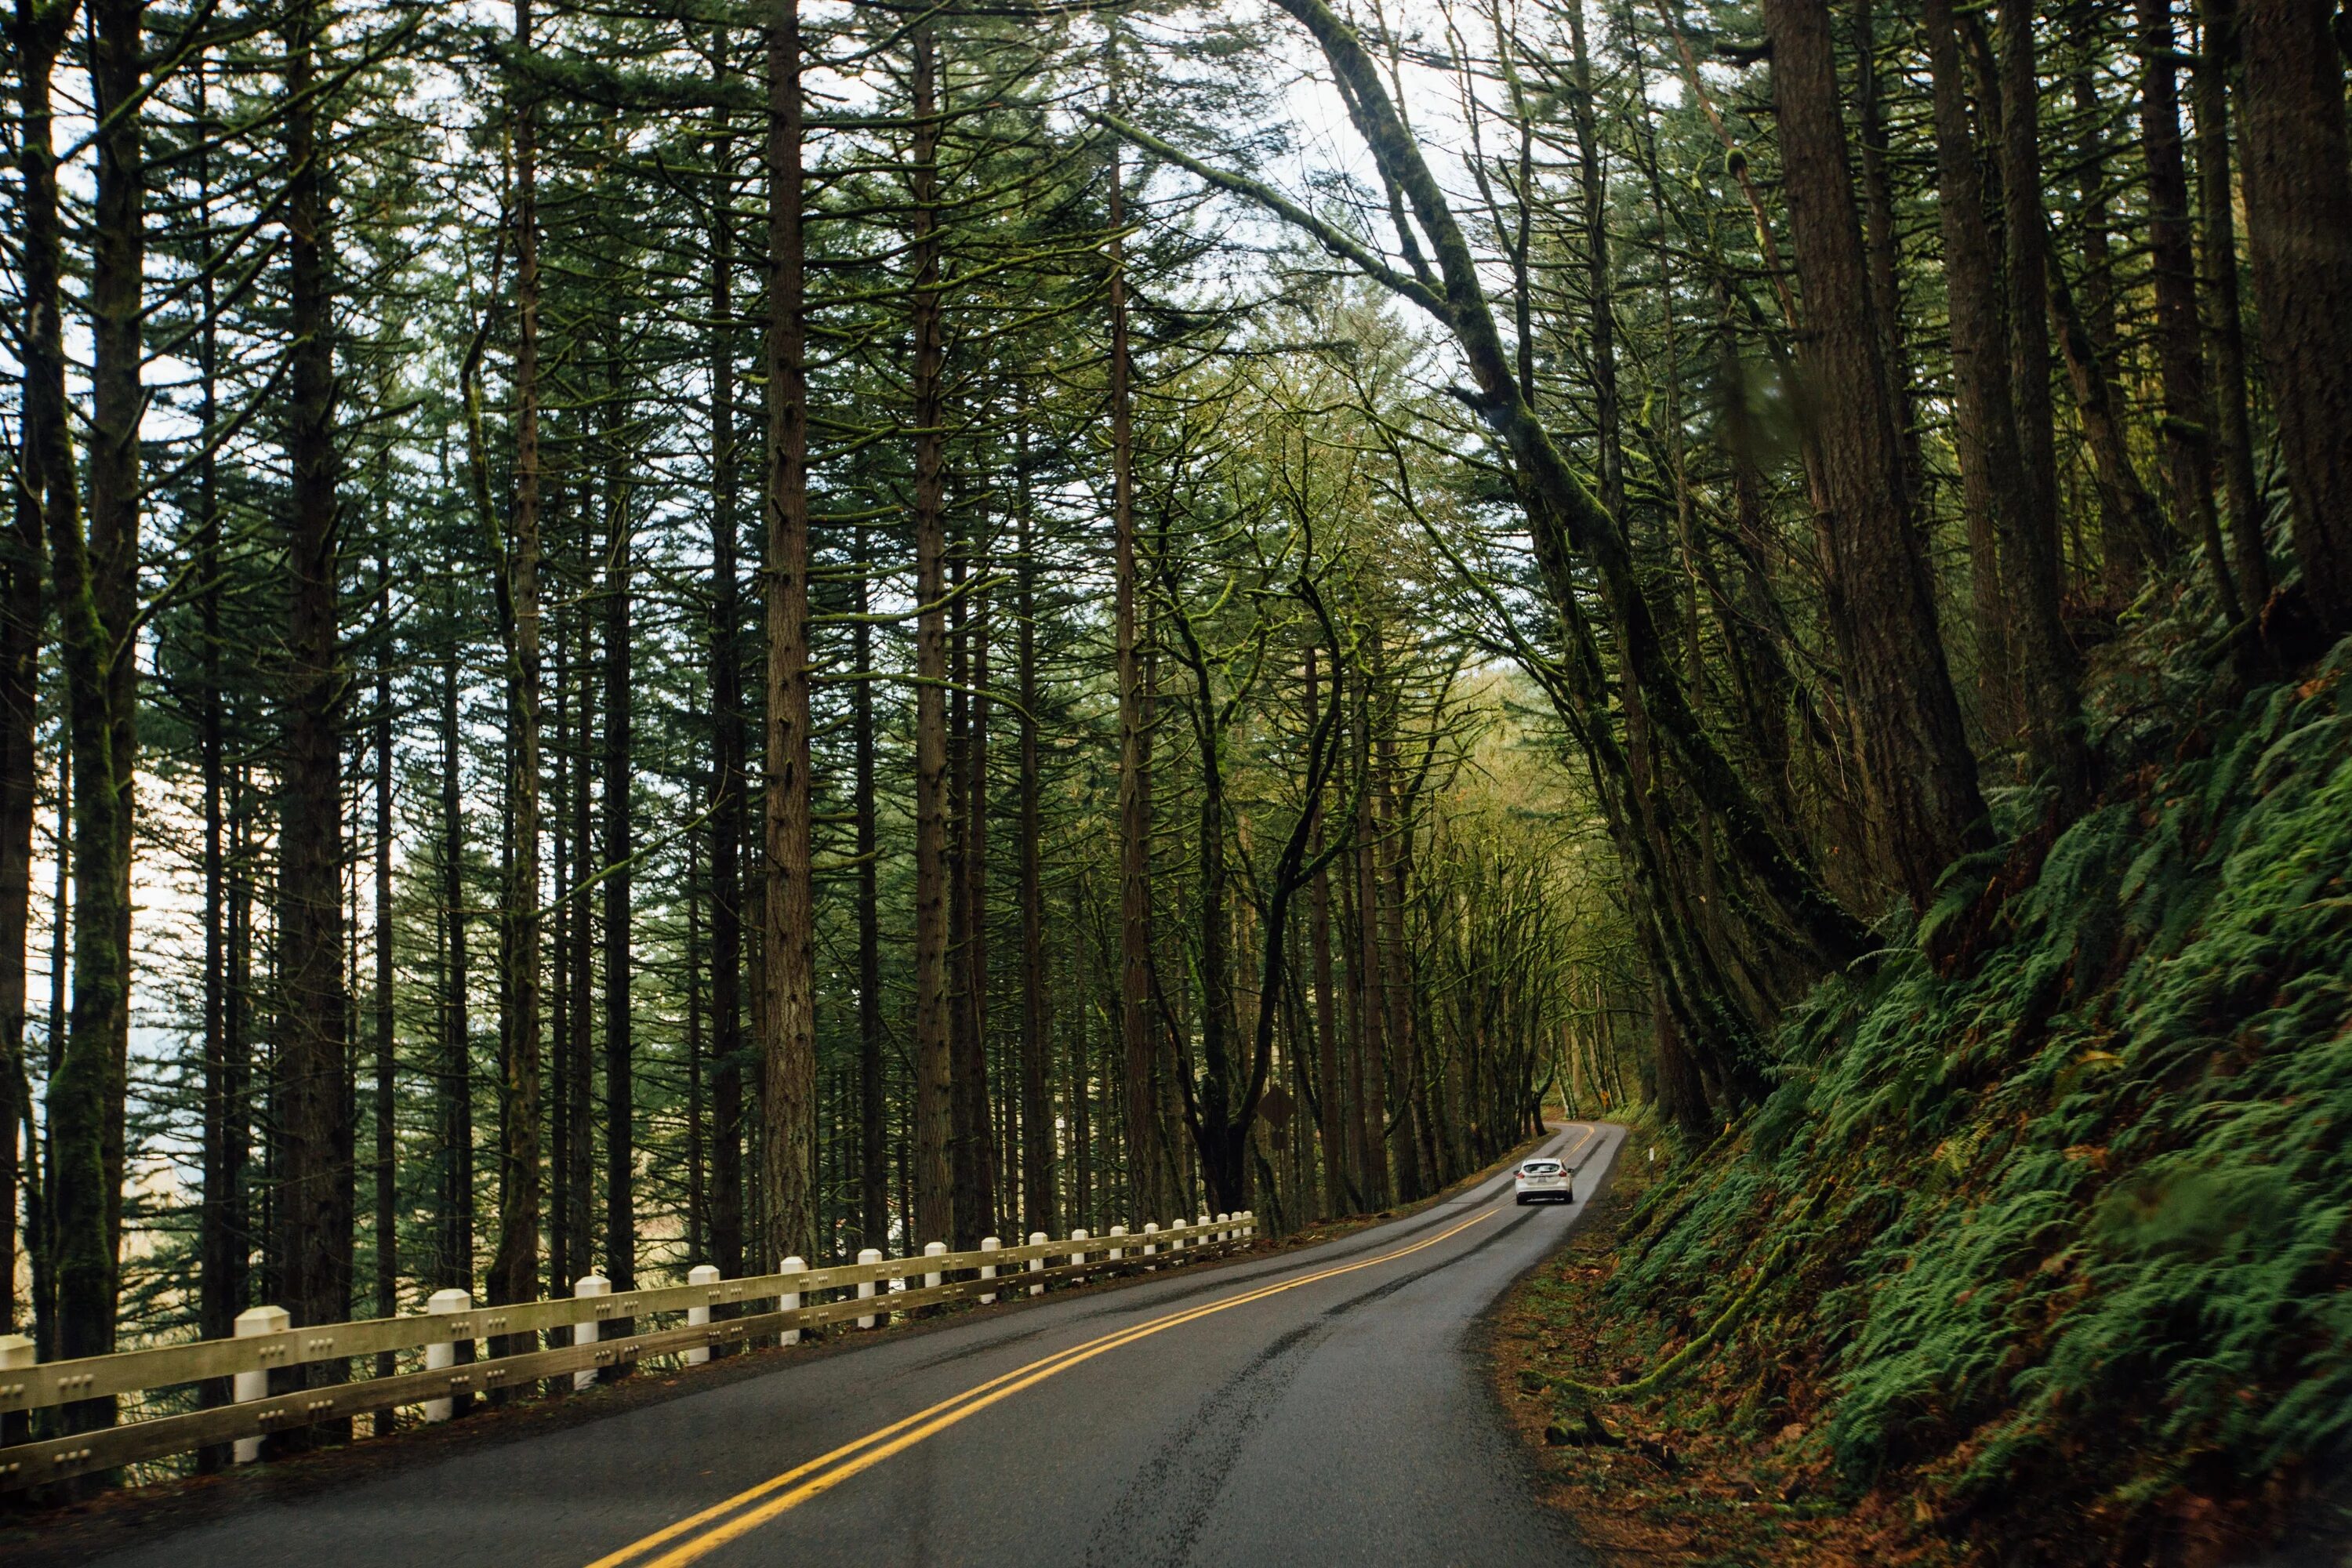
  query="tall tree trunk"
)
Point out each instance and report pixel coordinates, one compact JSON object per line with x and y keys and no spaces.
{"x":1334,"y":1101}
{"x":2048,"y":675}
{"x":1992,"y":474}
{"x":313,"y":1072}
{"x":2225,"y":318}
{"x":2124,"y":502}
{"x":1146,"y":1154}
{"x":562,"y":1133}
{"x":1873,"y":146}
{"x":579,"y":1068}
{"x":1921,"y":774}
{"x":1600,"y":291}
{"x":1211,"y":1095}
{"x":1372,"y":1053}
{"x":2125,"y":540}
{"x":2298,"y":179}
{"x":2188,"y":426}
{"x":974,"y":1165}
{"x":387,"y":1082}
{"x":95,"y":584}
{"x":45,"y":502}
{"x":729,"y":781}
{"x":932,"y":1212}
{"x":1411,"y":1138}
{"x":514,"y":1268}
{"x":697,"y":1185}
{"x":455,"y":1089}
{"x":873,"y":1152}
{"x":620,"y":852}
{"x":787,"y":1101}
{"x":1038,"y":1210}
{"x":224,"y":1249}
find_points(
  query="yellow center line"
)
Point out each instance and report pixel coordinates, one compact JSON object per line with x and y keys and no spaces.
{"x":830,"y":1469}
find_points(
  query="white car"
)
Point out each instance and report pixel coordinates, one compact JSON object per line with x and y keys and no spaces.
{"x":1545,"y":1180}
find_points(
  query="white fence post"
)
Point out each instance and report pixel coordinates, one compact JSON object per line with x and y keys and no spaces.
{"x":1177,"y":1226}
{"x":442,"y":1356}
{"x":251,"y":1323}
{"x":1150,"y":1229}
{"x":700,"y":1316}
{"x":1037,"y":1264}
{"x":988,"y":1270}
{"x":1117,"y":1252}
{"x":931,"y":1276}
{"x":1078,"y":1253}
{"x":790,"y":1301}
{"x":865,"y":1287}
{"x":585,"y":1288}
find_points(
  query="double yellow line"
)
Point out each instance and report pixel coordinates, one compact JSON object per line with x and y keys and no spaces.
{"x":697,"y":1535}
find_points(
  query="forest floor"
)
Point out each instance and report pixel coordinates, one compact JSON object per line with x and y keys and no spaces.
{"x":1658,"y":1488}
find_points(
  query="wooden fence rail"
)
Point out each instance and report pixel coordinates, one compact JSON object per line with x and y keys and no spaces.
{"x":865,"y":1292}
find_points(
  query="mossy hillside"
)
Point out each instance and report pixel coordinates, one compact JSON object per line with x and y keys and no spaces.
{"x":2054,"y":1201}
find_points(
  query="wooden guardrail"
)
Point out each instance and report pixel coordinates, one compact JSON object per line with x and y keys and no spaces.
{"x":867,"y":1292}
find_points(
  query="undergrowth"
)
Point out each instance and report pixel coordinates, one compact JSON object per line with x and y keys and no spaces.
{"x":2067,"y":1173}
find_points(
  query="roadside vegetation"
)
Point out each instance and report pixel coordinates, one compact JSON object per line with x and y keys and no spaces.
{"x":2035,"y":1252}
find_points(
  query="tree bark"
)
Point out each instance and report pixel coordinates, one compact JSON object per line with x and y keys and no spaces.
{"x":45,"y":502}
{"x":514,"y":1268}
{"x":2225,"y":318}
{"x":788,"y":1083}
{"x":224,"y":1247}
{"x":2187,"y":427}
{"x":1992,"y":474}
{"x":312,"y":1090}
{"x":1873,"y":146}
{"x":1146,"y":1153}
{"x":974,"y":1161}
{"x":579,"y":1058}
{"x":1038,"y":1209}
{"x":2298,"y":179}
{"x":619,"y":843}
{"x":94,"y":579}
{"x":730,"y":782}
{"x":2048,"y":674}
{"x":1921,"y":774}
{"x":873,"y":1150}
{"x":387,"y":1065}
{"x":932,"y":1215}
{"x":1333,"y":1102}
{"x":455,"y":1091}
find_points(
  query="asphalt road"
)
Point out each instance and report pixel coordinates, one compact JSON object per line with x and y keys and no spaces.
{"x":1323,"y":1407}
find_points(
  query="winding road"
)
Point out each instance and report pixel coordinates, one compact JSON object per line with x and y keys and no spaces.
{"x":1324,"y":1407}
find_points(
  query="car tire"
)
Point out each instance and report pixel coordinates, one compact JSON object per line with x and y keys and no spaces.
{"x":1522,"y":1200}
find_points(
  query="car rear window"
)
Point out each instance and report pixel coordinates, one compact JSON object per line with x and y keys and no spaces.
{"x":1541,"y":1168}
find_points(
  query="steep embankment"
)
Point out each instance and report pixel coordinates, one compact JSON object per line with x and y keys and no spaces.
{"x":2040,"y":1251}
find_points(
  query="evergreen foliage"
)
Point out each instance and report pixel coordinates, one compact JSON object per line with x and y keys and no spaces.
{"x":2063,"y":1185}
